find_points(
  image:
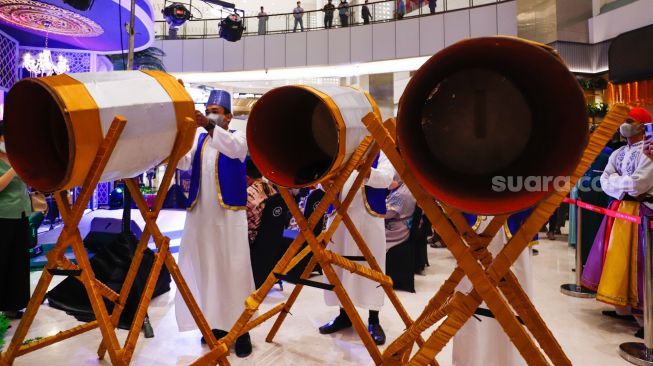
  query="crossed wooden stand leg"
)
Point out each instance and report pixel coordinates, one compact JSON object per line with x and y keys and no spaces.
{"x":58,"y":264}
{"x":361,"y":160}
{"x":489,"y":278}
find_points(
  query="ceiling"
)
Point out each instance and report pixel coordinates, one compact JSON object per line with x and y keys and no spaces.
{"x":97,"y":29}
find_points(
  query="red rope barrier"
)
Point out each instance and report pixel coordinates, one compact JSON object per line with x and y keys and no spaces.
{"x":604,"y":211}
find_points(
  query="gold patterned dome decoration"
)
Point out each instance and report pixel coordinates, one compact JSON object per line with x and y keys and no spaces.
{"x":34,"y":14}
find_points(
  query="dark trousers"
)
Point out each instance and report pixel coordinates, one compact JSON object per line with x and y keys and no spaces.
{"x":553,"y":221}
{"x":14,"y":264}
{"x":344,"y":20}
{"x":432,"y":5}
{"x":366,"y":20}
{"x":328,"y":21}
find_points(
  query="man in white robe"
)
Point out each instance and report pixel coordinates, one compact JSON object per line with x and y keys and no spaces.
{"x":367,"y":212}
{"x":484,"y":343}
{"x":214,"y":252}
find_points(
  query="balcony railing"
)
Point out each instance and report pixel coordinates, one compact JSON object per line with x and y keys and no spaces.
{"x":380,"y":11}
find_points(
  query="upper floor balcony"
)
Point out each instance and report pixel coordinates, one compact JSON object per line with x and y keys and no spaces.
{"x":389,"y":35}
{"x":379,"y":11}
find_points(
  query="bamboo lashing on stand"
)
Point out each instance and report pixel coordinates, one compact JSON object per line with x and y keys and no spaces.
{"x":440,"y":337}
{"x":361,"y":160}
{"x":256,"y":298}
{"x":70,"y":236}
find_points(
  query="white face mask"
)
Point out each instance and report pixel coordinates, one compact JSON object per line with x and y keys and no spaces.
{"x":3,"y":149}
{"x":629,"y":129}
{"x":217,"y":120}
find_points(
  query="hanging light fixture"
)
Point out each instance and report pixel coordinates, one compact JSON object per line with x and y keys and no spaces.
{"x":42,"y":64}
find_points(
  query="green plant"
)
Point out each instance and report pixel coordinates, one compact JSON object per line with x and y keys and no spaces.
{"x":147,"y":59}
{"x":148,"y":190}
{"x":595,"y":83}
{"x":599,"y":109}
{"x":4,"y":325}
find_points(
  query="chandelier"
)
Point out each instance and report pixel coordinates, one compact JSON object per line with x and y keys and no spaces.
{"x":42,"y":64}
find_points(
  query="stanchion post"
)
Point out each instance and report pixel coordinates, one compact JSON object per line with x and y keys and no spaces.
{"x":575,"y":289}
{"x":635,"y":352}
{"x":579,"y":245}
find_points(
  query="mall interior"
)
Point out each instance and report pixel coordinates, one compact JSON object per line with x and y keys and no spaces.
{"x":324,"y":182}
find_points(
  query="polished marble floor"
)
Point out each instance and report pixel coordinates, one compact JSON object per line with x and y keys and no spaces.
{"x":588,"y":337}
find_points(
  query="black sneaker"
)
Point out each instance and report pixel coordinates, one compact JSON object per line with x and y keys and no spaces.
{"x":337,"y":324}
{"x":377,"y":333}
{"x":613,"y":314}
{"x":217,"y":333}
{"x":243,"y":346}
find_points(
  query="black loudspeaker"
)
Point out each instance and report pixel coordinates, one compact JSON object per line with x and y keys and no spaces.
{"x":110,"y":265}
{"x":630,"y":56}
{"x":105,"y":230}
{"x":82,"y":5}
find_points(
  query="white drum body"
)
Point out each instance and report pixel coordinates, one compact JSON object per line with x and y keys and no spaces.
{"x":298,"y":135}
{"x":55,"y":124}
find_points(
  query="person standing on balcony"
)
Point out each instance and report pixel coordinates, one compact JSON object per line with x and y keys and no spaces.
{"x":298,"y":13}
{"x":401,"y":9}
{"x":262,"y":22}
{"x":343,"y":11}
{"x":365,"y":12}
{"x":432,"y":5}
{"x":328,"y":10}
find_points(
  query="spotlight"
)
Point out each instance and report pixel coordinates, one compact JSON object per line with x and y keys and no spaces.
{"x":82,"y":5}
{"x":176,"y":15}
{"x":231,"y":28}
{"x":116,"y":196}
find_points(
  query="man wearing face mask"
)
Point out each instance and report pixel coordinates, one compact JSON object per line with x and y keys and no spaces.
{"x":214,"y":252}
{"x":615,"y":265}
{"x":367,"y":212}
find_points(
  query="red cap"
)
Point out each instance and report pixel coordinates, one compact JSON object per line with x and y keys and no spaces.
{"x":640,"y":115}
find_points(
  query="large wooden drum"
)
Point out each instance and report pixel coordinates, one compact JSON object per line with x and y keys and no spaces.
{"x":55,"y":124}
{"x":492,"y":125}
{"x":298,"y":135}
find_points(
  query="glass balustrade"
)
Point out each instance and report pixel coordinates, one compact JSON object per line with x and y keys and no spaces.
{"x":380,"y":11}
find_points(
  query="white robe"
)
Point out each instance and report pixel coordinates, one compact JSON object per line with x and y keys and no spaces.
{"x":628,"y":171}
{"x":214,"y":251}
{"x":485,"y":343}
{"x":365,"y":294}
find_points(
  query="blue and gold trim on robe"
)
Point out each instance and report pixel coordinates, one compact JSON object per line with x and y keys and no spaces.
{"x":231,"y":185}
{"x":474,"y":220}
{"x":374,"y":198}
{"x":511,"y":226}
{"x":515,"y":221}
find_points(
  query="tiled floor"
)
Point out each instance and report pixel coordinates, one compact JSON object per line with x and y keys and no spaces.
{"x":588,"y":337}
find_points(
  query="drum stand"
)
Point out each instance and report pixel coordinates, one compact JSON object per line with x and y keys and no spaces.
{"x":493,"y":280}
{"x":58,"y":264}
{"x":361,"y":160}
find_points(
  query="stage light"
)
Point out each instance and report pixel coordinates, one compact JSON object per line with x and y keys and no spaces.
{"x":82,"y":5}
{"x":176,"y":15}
{"x":231,"y":28}
{"x":116,"y":196}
